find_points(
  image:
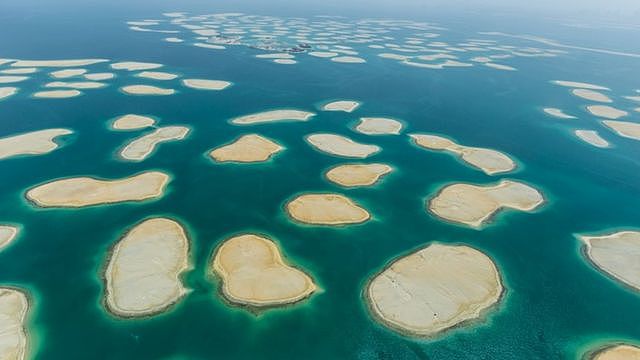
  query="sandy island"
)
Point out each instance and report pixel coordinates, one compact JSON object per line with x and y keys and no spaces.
{"x":592,"y":137}
{"x":5,"y":92}
{"x":156,"y":75}
{"x":351,"y":175}
{"x":247,"y":149}
{"x":14,"y":306}
{"x":617,"y":352}
{"x":473,"y":205}
{"x":143,"y":274}
{"x":591,"y":95}
{"x":140,"y":148}
{"x":7,"y":235}
{"x":57,"y":94}
{"x":12,"y":79}
{"x":22,"y":71}
{"x":99,"y":76}
{"x":558,"y":113}
{"x":624,"y":128}
{"x":581,"y":85}
{"x":326,"y":209}
{"x":490,"y":161}
{"x":57,"y":63}
{"x":88,"y":191}
{"x":606,"y":111}
{"x":434,"y":289}
{"x":341,"y":146}
{"x":253,"y":273}
{"x":32,"y":143}
{"x":348,"y":59}
{"x":202,"y":84}
{"x":273,"y":116}
{"x":132,"y":122}
{"x":75,"y":85}
{"x":616,"y":254}
{"x":342,"y":105}
{"x":379,"y":126}
{"x":67,"y":73}
{"x":146,"y":90}
{"x":134,"y":66}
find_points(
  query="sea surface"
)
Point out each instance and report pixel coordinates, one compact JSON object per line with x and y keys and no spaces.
{"x":557,"y":306}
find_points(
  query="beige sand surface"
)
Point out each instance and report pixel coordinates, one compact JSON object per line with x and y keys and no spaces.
{"x":247,"y":149}
{"x":393,"y":56}
{"x":341,"y":105}
{"x":143,"y":274}
{"x":558,"y":113}
{"x":592,"y":137}
{"x":323,"y":54}
{"x":434,"y":289}
{"x":140,"y":148}
{"x":99,"y":76}
{"x":500,"y":66}
{"x":581,"y":85}
{"x":9,"y":79}
{"x":285,"y":61}
{"x":273,"y":116}
{"x":633,"y":98}
{"x":473,"y":205}
{"x":57,"y":63}
{"x":57,"y":94}
{"x":616,"y":254}
{"x":275,"y":56}
{"x":134,"y":66}
{"x":5,"y":92}
{"x":132,"y":122}
{"x":156,"y":75}
{"x":591,"y":95}
{"x":348,"y":60}
{"x":8,"y":233}
{"x":202,"y":84}
{"x":19,"y":71}
{"x":14,"y":306}
{"x":618,"y":352}
{"x":351,"y":175}
{"x":626,"y":129}
{"x":326,"y":209}
{"x":67,"y":73}
{"x":606,"y":111}
{"x":341,"y":146}
{"x":253,"y":273}
{"x":379,"y":126}
{"x":173,"y":40}
{"x":488,"y":160}
{"x":31,"y":143}
{"x":76,"y":85}
{"x":146,"y":90}
{"x":87,"y":191}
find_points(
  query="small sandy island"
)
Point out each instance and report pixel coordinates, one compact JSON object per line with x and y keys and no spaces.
{"x":434,"y":289}
{"x":581,"y":85}
{"x":202,"y":84}
{"x":326,"y":209}
{"x":99,"y":76}
{"x":87,"y":191}
{"x":67,"y":73}
{"x":132,"y":122}
{"x":143,"y":274}
{"x":341,"y":146}
{"x":342,"y":105}
{"x":134,"y":66}
{"x":273,"y":116}
{"x":14,"y":306}
{"x":473,"y":205}
{"x":57,"y":63}
{"x":592,"y":137}
{"x":591,"y":95}
{"x":156,"y":75}
{"x":624,"y":128}
{"x":617,"y":255}
{"x":7,"y":235}
{"x":5,"y":92}
{"x":379,"y":126}
{"x":617,"y":352}
{"x":32,"y":143}
{"x":351,"y":175}
{"x":490,"y":161}
{"x":146,"y":90}
{"x":558,"y":113}
{"x":75,"y":85}
{"x":12,"y":79}
{"x":607,"y":112}
{"x":140,"y":148}
{"x":57,"y":94}
{"x":247,"y":149}
{"x":253,"y":273}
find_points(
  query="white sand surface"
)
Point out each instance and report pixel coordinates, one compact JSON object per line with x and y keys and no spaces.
{"x":341,"y":105}
{"x":140,"y":148}
{"x":592,"y":137}
{"x":31,"y":143}
{"x":558,"y":113}
{"x":204,"y":84}
{"x":57,"y":63}
{"x":146,"y":90}
{"x":134,"y":66}
{"x":57,"y":94}
{"x":156,"y":75}
{"x":341,"y":146}
{"x":273,"y":116}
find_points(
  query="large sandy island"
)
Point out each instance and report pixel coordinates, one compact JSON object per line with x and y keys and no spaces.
{"x":341,"y":146}
{"x":617,"y":352}
{"x":558,"y":113}
{"x":253,"y":273}
{"x":434,"y":289}
{"x":246,"y":149}
{"x":351,"y":175}
{"x":132,"y":122}
{"x":591,"y":95}
{"x":57,"y":63}
{"x":32,"y":143}
{"x":5,"y":92}
{"x":624,"y":128}
{"x":57,"y":94}
{"x":592,"y":137}
{"x":146,"y":90}
{"x":581,"y":85}
{"x":134,"y":66}
{"x":617,"y":255}
{"x":140,"y":148}
{"x":143,"y":274}
{"x":326,"y":209}
{"x":607,"y":112}
{"x":341,"y":105}
{"x":473,"y":205}
{"x":379,"y":126}
{"x":7,"y":235}
{"x":273,"y":116}
{"x":203,"y":84}
{"x":14,"y":306}
{"x":490,"y":161}
{"x":87,"y":191}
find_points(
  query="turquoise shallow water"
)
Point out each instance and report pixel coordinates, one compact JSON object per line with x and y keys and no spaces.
{"x":556,"y":305}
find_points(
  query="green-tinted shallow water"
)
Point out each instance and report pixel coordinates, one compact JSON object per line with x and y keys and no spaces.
{"x":556,"y":305}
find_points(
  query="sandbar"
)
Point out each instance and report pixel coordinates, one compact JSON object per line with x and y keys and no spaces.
{"x":253,"y":273}
{"x":32,"y":143}
{"x":624,"y":128}
{"x":434,"y":289}
{"x":285,"y":61}
{"x":143,"y":274}
{"x":57,"y":94}
{"x":592,"y":137}
{"x":348,"y":60}
{"x":7,"y":235}
{"x":273,"y":116}
{"x":351,"y":175}
{"x":88,"y":191}
{"x":19,"y":71}
{"x":341,"y":146}
{"x":473,"y":205}
{"x":323,"y":54}
{"x":14,"y":306}
{"x":140,"y":148}
{"x":156,"y":75}
{"x":326,"y":209}
{"x":12,"y":79}
{"x":379,"y":126}
{"x":616,"y":254}
{"x":202,"y":84}
{"x":57,"y":63}
{"x":67,"y":73}
{"x":248,"y":148}
{"x":173,"y":40}
{"x":581,"y":85}
{"x":132,"y":122}
{"x":591,"y":95}
{"x":341,"y":105}
{"x":5,"y":92}
{"x":146,"y":90}
{"x":75,"y":85}
{"x":490,"y":161}
{"x":99,"y":76}
{"x":617,"y":352}
{"x":558,"y":113}
{"x":500,"y":66}
{"x":134,"y":66}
